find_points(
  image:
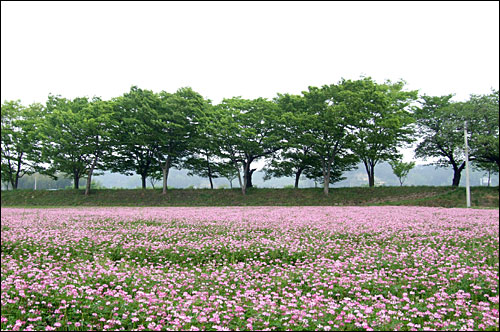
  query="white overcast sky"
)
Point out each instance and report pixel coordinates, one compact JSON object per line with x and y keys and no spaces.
{"x":252,"y":50}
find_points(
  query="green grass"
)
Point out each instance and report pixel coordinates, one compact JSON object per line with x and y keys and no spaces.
{"x":481,"y":197}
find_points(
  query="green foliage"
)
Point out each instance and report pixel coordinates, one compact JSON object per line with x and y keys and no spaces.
{"x":155,"y":131}
{"x":185,"y":139}
{"x":488,"y":167}
{"x":484,"y":124}
{"x":245,"y":131}
{"x":296,"y":158}
{"x":75,"y":135}
{"x":319,"y":134}
{"x":401,"y":169}
{"x":134,"y":138}
{"x":19,"y":148}
{"x":383,"y":119}
{"x":442,"y":130}
{"x":227,"y":171}
{"x":333,"y":127}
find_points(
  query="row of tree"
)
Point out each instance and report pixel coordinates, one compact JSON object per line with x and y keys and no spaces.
{"x":320,"y":133}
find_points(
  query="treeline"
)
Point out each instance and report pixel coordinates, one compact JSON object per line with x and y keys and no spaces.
{"x":319,"y":134}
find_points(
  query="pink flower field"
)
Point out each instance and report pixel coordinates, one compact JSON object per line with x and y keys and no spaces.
{"x":250,"y":268}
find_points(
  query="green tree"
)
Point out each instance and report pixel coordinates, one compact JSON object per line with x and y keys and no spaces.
{"x":226,"y":170}
{"x":202,"y":163}
{"x":19,"y":147}
{"x":331,"y":125}
{"x":440,"y":123}
{"x":401,"y":169}
{"x":61,"y":139}
{"x":296,"y":157}
{"x":176,"y":125}
{"x":75,"y":136}
{"x":488,"y":167}
{"x":290,"y":163}
{"x":245,"y":131}
{"x":97,"y":122}
{"x":483,"y":115}
{"x":135,"y":137}
{"x":384,"y":120}
{"x":203,"y":159}
{"x":227,"y":137}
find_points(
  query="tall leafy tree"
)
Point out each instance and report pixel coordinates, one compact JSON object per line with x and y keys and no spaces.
{"x":226,"y":133}
{"x":319,"y":136}
{"x":75,"y":136}
{"x":176,"y":125}
{"x":441,"y":127}
{"x":483,"y":115}
{"x":203,"y":159}
{"x":97,"y":124}
{"x":61,"y":138}
{"x":248,"y":130}
{"x":135,"y":138}
{"x":384,"y":120}
{"x":19,"y":147}
{"x":295,"y":159}
{"x":331,"y":126}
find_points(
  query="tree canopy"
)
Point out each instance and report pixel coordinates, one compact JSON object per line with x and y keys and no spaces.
{"x":318,"y":134}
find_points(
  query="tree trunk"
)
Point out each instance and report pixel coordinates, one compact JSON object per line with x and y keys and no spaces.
{"x":371,"y":177}
{"x":245,"y":179}
{"x":89,"y":178}
{"x":16,"y":180}
{"x":76,"y":180}
{"x":249,"y":179}
{"x":242,"y":185}
{"x":456,"y":178}
{"x":326,"y":178}
{"x":370,"y":170}
{"x":165,"y":170}
{"x":247,"y":173}
{"x":210,"y":174}
{"x":239,"y":178}
{"x":489,"y":177}
{"x":457,"y":173}
{"x":297,"y":177}
{"x":143,"y":178}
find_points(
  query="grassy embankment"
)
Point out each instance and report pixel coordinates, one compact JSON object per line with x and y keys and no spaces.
{"x":481,"y":197}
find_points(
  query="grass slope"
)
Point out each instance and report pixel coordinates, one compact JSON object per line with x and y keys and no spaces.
{"x":419,"y":196}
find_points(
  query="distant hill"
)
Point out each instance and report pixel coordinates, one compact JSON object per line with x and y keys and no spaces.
{"x":421,"y":175}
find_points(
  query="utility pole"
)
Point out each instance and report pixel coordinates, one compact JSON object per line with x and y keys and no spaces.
{"x":467,"y":182}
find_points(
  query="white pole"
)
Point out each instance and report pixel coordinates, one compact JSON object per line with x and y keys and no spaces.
{"x":467,"y":183}
{"x":35,"y":181}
